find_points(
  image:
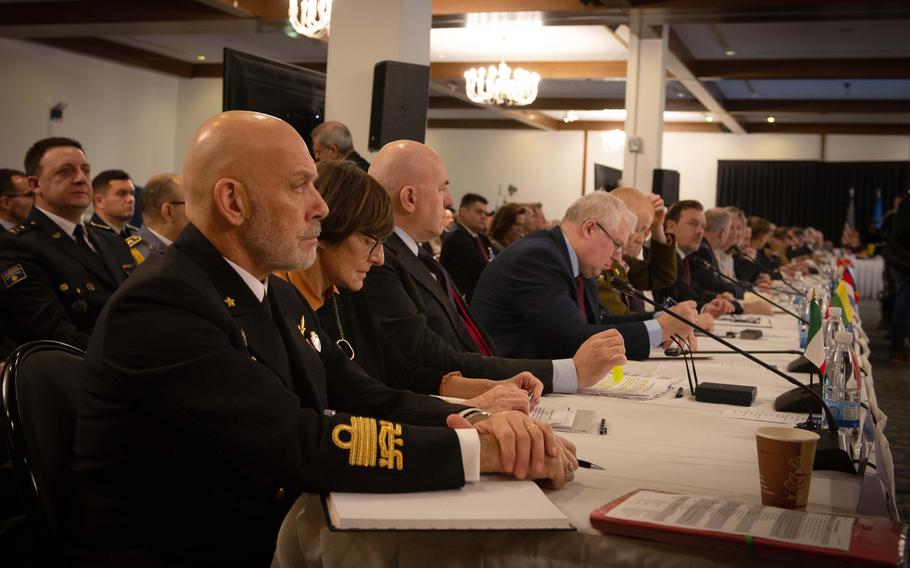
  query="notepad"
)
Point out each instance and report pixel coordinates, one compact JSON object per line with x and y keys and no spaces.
{"x":494,"y":502}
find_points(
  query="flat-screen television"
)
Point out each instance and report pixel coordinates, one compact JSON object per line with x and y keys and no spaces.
{"x":606,"y":178}
{"x":293,"y":94}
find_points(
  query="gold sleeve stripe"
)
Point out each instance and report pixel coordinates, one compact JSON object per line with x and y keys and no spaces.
{"x":362,"y":440}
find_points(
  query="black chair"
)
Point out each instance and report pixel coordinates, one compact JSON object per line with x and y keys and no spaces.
{"x":42,"y":388}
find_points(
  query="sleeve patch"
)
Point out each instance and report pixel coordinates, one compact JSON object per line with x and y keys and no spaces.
{"x":13,"y":275}
{"x":362,"y":441}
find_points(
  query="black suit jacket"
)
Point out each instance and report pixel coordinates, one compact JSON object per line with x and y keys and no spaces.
{"x":528,"y":301}
{"x":413,"y":311}
{"x":707,"y":279}
{"x":358,"y":160}
{"x":681,"y":291}
{"x":53,"y":289}
{"x":463,"y":259}
{"x":205,"y":417}
{"x":350,"y":317}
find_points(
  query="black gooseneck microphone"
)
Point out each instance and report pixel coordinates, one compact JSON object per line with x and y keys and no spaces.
{"x":828,"y":454}
{"x":748,"y":286}
{"x":774,"y":273}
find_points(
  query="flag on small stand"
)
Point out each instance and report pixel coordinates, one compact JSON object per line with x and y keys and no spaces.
{"x":841,"y":299}
{"x":815,"y":349}
{"x":851,"y":281}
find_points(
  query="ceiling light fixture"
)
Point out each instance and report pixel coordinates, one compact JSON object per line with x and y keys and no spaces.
{"x":501,"y":85}
{"x":310,"y":17}
{"x":770,"y":119}
{"x":570,"y":117}
{"x":730,"y":53}
{"x":200,"y":58}
{"x":709,"y":118}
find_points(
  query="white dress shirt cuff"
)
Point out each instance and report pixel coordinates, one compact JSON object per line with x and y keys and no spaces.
{"x":655,"y":334}
{"x":469,"y":440}
{"x":565,"y":376}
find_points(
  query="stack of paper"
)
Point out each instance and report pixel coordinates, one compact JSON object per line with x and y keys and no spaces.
{"x":633,"y":387}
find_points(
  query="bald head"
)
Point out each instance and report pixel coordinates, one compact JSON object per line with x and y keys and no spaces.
{"x":640,"y":205}
{"x":249,"y":185}
{"x":417,"y":182}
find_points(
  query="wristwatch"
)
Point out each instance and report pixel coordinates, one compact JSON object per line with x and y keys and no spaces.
{"x":475,"y":415}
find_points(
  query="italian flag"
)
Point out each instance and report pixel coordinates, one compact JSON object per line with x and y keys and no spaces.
{"x":815,"y":349}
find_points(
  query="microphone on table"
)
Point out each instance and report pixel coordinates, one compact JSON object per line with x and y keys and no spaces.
{"x":738,"y":252}
{"x":705,"y":264}
{"x":828,"y":454}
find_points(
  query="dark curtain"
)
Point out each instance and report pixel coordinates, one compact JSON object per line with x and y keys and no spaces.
{"x":810,"y":193}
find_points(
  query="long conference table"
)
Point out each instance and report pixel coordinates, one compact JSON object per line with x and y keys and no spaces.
{"x":668,"y":443}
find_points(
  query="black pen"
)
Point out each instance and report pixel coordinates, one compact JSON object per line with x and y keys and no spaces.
{"x":603,"y":427}
{"x":679,"y":393}
{"x":588,"y":465}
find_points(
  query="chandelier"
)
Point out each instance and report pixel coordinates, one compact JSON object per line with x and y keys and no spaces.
{"x":501,"y":85}
{"x":310,"y":17}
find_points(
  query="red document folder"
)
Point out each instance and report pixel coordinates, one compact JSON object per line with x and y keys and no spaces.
{"x":872,"y":541}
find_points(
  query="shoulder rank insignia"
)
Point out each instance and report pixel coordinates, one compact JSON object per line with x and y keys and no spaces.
{"x":363,"y":441}
{"x":133,"y":240}
{"x":13,"y":275}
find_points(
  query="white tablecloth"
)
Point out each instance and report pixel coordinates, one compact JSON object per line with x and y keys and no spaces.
{"x":869,"y":274}
{"x":667,"y":444}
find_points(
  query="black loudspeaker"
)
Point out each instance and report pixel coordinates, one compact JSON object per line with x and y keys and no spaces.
{"x":400,"y":97}
{"x":665,"y":183}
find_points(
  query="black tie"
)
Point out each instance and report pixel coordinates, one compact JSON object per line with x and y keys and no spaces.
{"x":435,"y":269}
{"x":79,"y":233}
{"x":266,"y":306}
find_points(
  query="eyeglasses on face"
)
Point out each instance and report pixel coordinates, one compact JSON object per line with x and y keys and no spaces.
{"x":616,"y":243}
{"x":375,"y":240}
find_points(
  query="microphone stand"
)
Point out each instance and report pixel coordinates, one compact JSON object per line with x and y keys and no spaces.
{"x":828,"y":453}
{"x":774,"y":273}
{"x":705,"y":264}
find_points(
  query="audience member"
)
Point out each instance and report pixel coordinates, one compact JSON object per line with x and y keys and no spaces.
{"x":658,"y":271}
{"x":466,"y":251}
{"x":539,"y":297}
{"x":113,"y":195}
{"x":508,"y":225}
{"x":191,"y":445}
{"x":685,"y":220}
{"x":57,"y":272}
{"x":163,"y":204}
{"x":16,"y":198}
{"x":535,"y":220}
{"x":359,"y":220}
{"x":897,"y":259}
{"x":716,"y":234}
{"x":422,"y":312}
{"x":332,"y":141}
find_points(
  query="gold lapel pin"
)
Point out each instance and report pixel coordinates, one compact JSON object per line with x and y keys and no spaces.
{"x":56,"y":235}
{"x":302,"y":326}
{"x":229,"y":302}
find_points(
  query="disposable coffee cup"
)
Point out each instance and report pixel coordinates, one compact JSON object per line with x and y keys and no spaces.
{"x":785,"y":458}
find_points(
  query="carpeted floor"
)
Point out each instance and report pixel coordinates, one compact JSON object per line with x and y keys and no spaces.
{"x":891,"y":387}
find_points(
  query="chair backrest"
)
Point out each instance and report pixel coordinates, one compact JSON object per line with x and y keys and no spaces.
{"x":42,"y":388}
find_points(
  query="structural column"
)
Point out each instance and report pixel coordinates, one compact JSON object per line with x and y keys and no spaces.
{"x":646,"y":78}
{"x":363,"y":34}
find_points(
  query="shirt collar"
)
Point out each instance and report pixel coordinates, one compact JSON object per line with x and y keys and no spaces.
{"x":406,"y":238}
{"x":470,"y":232}
{"x":65,"y":225}
{"x":7,"y":225}
{"x":259,"y":289}
{"x":573,"y":258}
{"x":166,"y":241}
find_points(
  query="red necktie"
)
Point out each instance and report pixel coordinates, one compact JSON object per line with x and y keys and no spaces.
{"x":580,"y":290}
{"x":483,"y":250}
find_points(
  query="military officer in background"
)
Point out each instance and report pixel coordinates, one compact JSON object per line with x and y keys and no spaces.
{"x":114,"y":200}
{"x":56,"y":272}
{"x":163,"y":205}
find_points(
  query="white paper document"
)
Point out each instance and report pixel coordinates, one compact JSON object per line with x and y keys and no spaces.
{"x":714,"y":515}
{"x":764,"y":415}
{"x":492,"y":503}
{"x":640,"y":381}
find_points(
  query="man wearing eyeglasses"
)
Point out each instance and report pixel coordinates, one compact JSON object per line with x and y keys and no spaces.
{"x":16,"y":198}
{"x":538,"y":298}
{"x":163,"y":206}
